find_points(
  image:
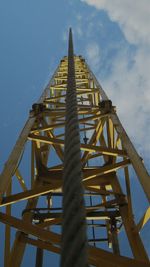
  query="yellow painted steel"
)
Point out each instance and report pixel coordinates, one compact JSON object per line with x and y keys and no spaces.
{"x":145,"y":218}
{"x":106,"y":151}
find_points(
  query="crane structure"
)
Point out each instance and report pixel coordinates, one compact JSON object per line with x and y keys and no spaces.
{"x":89,"y":172}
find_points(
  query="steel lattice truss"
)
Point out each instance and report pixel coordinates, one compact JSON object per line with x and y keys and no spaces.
{"x":106,"y":149}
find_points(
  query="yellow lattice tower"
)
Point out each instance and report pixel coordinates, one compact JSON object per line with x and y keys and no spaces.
{"x":105,"y":149}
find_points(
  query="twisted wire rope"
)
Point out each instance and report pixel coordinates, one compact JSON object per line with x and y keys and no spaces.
{"x":74,"y":241}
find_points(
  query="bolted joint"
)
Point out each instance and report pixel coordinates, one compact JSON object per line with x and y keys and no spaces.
{"x":106,"y":106}
{"x":37,"y":108}
{"x":122,"y":199}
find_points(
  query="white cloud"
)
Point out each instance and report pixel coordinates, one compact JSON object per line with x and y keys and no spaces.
{"x":133,"y":17}
{"x":65,"y":35}
{"x":129,"y":88}
{"x":78,"y":30}
{"x":128,"y":85}
{"x":76,"y":26}
{"x":93,"y":54}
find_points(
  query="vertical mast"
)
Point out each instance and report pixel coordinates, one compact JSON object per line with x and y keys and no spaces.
{"x":73,"y":107}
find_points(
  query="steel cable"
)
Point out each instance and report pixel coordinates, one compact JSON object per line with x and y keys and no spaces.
{"x":74,"y":241}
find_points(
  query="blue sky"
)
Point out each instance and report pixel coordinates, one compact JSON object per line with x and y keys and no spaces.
{"x":113,"y":36}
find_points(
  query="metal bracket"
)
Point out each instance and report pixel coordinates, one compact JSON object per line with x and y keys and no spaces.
{"x":106,"y":106}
